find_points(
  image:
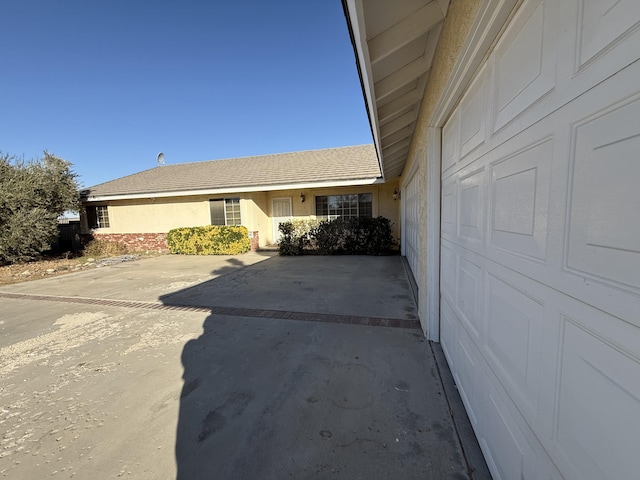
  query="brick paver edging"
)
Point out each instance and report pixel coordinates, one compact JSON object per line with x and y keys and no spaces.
{"x":232,"y":311}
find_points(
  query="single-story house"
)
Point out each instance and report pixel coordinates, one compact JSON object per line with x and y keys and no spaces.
{"x":256,"y":192}
{"x":513,"y":127}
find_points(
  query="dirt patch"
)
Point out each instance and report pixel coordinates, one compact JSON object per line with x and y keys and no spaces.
{"x":80,"y":395}
{"x":52,"y":266}
{"x":24,"y":272}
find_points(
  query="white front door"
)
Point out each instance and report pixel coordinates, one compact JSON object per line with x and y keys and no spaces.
{"x":540,"y":247}
{"x":280,"y":212}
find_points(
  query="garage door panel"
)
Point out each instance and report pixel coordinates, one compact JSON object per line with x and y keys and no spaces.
{"x":448,"y":270}
{"x":573,"y":76}
{"x":509,"y":454}
{"x":469,"y":277}
{"x":449,"y":334}
{"x":604,"y":238}
{"x":449,"y":215}
{"x":473,"y":118}
{"x":592,"y":273}
{"x":519,"y":193}
{"x":506,"y":431}
{"x":450,"y":144}
{"x":471,"y":204}
{"x":514,"y":338}
{"x":524,"y":62}
{"x":466,"y":377}
{"x":603,"y":25}
{"x":411,"y":223}
{"x":598,"y":402}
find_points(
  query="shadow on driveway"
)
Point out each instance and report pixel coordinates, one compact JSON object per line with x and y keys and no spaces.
{"x":272,"y":398}
{"x":347,"y":285}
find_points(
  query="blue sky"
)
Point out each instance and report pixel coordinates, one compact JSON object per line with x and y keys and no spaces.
{"x":107,"y":84}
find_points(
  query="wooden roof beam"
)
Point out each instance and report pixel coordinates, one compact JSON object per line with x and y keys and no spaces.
{"x":405,"y":31}
{"x":402,"y":145}
{"x":386,"y":112}
{"x":398,"y":136}
{"x":397,"y":124}
{"x":398,"y":79}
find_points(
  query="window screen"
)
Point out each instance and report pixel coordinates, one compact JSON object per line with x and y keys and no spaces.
{"x":225,"y":211}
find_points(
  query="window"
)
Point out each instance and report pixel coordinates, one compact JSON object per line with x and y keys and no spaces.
{"x":98,"y":217}
{"x":346,"y":206}
{"x":225,"y":211}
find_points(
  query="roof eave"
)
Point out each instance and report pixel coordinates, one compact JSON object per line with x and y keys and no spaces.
{"x":235,"y":190}
{"x":393,"y":90}
{"x":353,"y":13}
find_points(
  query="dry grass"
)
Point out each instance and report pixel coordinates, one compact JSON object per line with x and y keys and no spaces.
{"x":104,"y":248}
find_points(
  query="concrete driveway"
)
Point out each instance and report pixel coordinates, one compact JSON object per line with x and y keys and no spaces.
{"x":255,"y":366}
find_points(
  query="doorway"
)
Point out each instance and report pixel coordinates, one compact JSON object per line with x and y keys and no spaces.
{"x":280,"y":212}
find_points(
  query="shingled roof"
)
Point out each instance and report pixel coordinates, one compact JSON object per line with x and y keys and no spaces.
{"x":312,"y":166}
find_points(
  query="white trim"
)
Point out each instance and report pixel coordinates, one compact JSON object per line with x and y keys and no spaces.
{"x":237,"y":190}
{"x":434,"y":160}
{"x":356,"y":17}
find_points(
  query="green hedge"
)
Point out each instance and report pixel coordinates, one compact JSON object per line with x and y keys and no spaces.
{"x":209,"y":240}
{"x":350,"y":236}
{"x":295,"y":236}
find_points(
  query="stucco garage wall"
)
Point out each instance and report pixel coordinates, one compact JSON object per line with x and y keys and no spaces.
{"x":457,"y":25}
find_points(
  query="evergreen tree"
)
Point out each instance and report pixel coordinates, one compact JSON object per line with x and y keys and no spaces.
{"x":32,"y":197}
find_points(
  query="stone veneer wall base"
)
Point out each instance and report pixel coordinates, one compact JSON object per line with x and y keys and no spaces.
{"x":136,"y":242}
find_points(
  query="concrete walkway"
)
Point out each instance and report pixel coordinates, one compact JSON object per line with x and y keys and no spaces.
{"x":255,"y":366}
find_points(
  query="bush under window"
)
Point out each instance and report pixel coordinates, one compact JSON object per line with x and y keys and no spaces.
{"x":342,"y":236}
{"x":209,"y":240}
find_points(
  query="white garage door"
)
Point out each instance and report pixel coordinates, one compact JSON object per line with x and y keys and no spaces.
{"x":410,"y":195}
{"x":540,"y":248}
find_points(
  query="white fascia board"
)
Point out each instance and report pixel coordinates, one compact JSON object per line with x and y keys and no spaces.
{"x":356,"y":19}
{"x":237,"y":190}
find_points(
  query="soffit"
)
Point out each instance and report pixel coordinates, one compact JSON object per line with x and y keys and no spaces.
{"x":394,"y":43}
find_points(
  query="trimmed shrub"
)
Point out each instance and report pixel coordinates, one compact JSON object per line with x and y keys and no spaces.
{"x":99,"y":248}
{"x":209,"y":240}
{"x":295,"y":236}
{"x":327,"y":236}
{"x":354,"y":236}
{"x":351,"y":236}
